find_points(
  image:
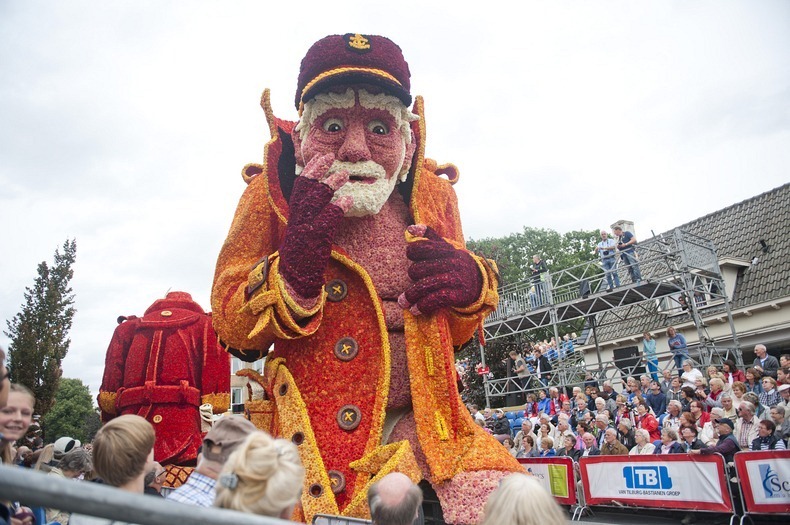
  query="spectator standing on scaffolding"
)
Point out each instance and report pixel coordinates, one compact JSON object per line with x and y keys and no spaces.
{"x":649,"y":353}
{"x":542,"y":367}
{"x":626,"y":244}
{"x":520,"y":368}
{"x":539,"y":270}
{"x":678,"y":347}
{"x":606,"y":250}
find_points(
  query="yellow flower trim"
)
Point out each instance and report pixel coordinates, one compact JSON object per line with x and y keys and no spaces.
{"x":394,"y":457}
{"x":429,"y":360}
{"x":220,"y":402}
{"x":106,"y":401}
{"x":383,"y":387}
{"x":419,"y":110}
{"x":341,"y":70}
{"x":441,"y":426}
{"x":293,"y":418}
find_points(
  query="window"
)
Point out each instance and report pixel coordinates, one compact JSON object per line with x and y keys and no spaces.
{"x":235,"y":365}
{"x":258,"y":365}
{"x":236,"y":394}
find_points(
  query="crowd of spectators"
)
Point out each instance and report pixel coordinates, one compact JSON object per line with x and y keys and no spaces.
{"x":697,"y":412}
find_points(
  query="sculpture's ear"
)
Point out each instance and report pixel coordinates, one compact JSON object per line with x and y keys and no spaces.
{"x":408,"y":159}
{"x":296,"y":137}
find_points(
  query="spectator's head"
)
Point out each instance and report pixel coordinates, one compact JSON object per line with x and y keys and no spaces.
{"x":553,"y":392}
{"x":15,"y":418}
{"x":75,"y":462}
{"x":647,"y":336}
{"x":641,"y":408}
{"x":784,"y":360}
{"x":219,"y":443}
{"x":746,"y":410}
{"x":601,"y":421}
{"x":760,"y":351}
{"x":726,"y":401}
{"x":696,"y":408}
{"x":674,"y":407}
{"x":716,"y":413}
{"x":769,"y":383}
{"x":687,"y":365}
{"x":668,"y":435}
{"x":513,"y":355}
{"x":688,"y":392}
{"x":716,"y":385}
{"x":784,"y":391}
{"x":738,"y":389}
{"x":778,"y":414}
{"x":767,"y":428}
{"x":508,"y":442}
{"x":121,"y":450}
{"x":526,"y":426}
{"x":689,"y":434}
{"x":155,"y":477}
{"x":589,"y":440}
{"x":783,"y":375}
{"x":536,"y":258}
{"x":570,"y":441}
{"x":600,"y":403}
{"x":675,"y":383}
{"x":624,"y":425}
{"x":261,"y":476}
{"x":582,"y":428}
{"x":671,"y":331}
{"x":394,"y":500}
{"x":529,"y":442}
{"x":752,"y":398}
{"x":610,"y":436}
{"x":724,"y":426}
{"x":5,"y":384}
{"x":499,"y":413}
{"x":700,"y":383}
{"x":641,"y":436}
{"x":604,"y":234}
{"x":753,"y":375}
{"x":522,"y":500}
{"x":728,"y":367}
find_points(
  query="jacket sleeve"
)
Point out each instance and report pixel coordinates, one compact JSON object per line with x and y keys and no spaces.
{"x":250,"y":303}
{"x":215,"y":384}
{"x":114,"y":362}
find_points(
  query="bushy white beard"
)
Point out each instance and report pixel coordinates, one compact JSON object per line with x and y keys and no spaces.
{"x":369,"y":198}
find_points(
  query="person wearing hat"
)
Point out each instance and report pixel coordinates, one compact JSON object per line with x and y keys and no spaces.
{"x":727,"y":445}
{"x":218,"y":444}
{"x":346,"y":253}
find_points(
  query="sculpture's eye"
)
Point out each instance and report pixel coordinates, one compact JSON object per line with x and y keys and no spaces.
{"x":378,"y":127}
{"x":333,"y":125}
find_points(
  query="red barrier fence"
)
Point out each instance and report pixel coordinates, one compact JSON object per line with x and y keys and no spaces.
{"x":556,"y":476}
{"x":765,"y":481}
{"x":677,"y":481}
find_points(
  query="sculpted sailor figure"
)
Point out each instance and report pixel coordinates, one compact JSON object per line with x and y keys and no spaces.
{"x":346,"y":253}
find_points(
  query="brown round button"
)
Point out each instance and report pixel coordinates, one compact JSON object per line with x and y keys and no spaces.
{"x":157,"y":418}
{"x":166,"y":313}
{"x":349,"y":417}
{"x":315,"y":490}
{"x":336,"y":290}
{"x":346,"y":349}
{"x":283,"y":389}
{"x":337,"y":481}
{"x":297,"y":438}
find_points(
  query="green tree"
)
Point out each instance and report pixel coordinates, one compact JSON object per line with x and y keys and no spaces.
{"x":70,"y":413}
{"x":39,"y":332}
{"x":513,"y":255}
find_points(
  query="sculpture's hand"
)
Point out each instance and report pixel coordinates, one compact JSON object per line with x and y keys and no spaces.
{"x":312,"y":223}
{"x":443,"y":275}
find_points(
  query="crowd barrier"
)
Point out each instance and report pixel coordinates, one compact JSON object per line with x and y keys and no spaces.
{"x":764,"y":482}
{"x":556,"y":475}
{"x":676,"y":481}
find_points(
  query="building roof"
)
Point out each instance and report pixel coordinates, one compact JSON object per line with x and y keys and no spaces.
{"x":736,"y":231}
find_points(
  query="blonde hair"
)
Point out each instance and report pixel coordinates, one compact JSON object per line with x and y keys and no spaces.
{"x":6,"y":452}
{"x":263,"y":476}
{"x":121,"y":448}
{"x":522,"y":500}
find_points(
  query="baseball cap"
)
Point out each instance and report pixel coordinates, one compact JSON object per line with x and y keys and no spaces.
{"x":725,"y":421}
{"x":783,"y":388}
{"x":223,"y":438}
{"x":353,"y":58}
{"x":65,"y":444}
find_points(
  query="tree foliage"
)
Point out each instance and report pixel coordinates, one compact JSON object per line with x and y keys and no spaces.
{"x":71,"y":412}
{"x":513,"y":255}
{"x":39,"y":332}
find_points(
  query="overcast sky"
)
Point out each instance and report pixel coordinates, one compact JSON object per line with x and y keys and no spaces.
{"x":125,"y":124}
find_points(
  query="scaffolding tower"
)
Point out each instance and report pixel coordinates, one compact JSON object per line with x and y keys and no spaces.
{"x":680,"y":274}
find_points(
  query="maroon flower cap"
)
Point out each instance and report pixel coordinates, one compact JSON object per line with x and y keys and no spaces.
{"x":353,"y":58}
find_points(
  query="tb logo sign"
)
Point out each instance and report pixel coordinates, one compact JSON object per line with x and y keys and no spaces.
{"x":647,"y":477}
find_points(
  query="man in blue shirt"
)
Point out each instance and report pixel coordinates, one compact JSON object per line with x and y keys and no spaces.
{"x":625,"y":244}
{"x":606,"y":250}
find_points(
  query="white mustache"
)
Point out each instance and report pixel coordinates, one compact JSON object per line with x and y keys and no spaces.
{"x":365,"y":168}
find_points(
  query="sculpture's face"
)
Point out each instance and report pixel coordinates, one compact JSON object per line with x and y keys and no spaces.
{"x":368,"y":139}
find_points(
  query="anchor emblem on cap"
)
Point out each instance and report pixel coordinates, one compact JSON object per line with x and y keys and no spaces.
{"x":358,"y":42}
